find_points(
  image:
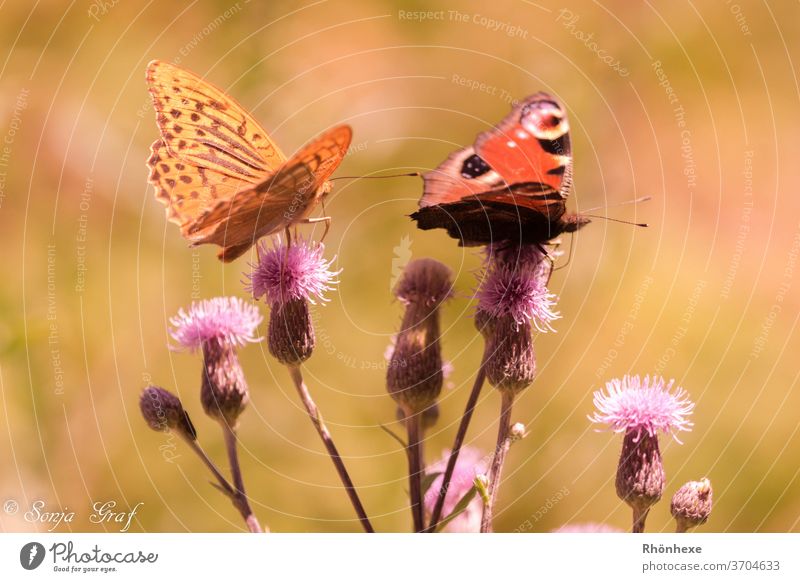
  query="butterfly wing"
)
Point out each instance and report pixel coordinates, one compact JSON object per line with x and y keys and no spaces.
{"x":202,"y":125}
{"x":463,"y":173}
{"x":520,"y":213}
{"x":325,"y":153}
{"x":185,"y":189}
{"x":531,"y":145}
{"x":520,"y":169}
{"x":238,"y":223}
{"x":285,"y":198}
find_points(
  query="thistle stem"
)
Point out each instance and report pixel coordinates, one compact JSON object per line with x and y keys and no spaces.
{"x":226,"y":487}
{"x":322,"y":429}
{"x":240,"y":500}
{"x":500,"y":453}
{"x":436,"y":515}
{"x":639,"y":517}
{"x":415,"y":468}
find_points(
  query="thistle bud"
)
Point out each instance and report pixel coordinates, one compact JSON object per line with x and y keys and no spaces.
{"x":164,"y":412}
{"x":640,"y":474}
{"x":510,"y":357}
{"x":414,"y":377}
{"x":691,"y":504}
{"x":223,"y":391}
{"x":291,"y":332}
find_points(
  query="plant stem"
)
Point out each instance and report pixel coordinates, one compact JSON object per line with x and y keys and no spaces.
{"x":639,"y":517}
{"x":500,"y":453}
{"x":240,"y":500}
{"x":415,"y":468}
{"x":436,"y":515}
{"x":319,"y":424}
{"x":226,"y":487}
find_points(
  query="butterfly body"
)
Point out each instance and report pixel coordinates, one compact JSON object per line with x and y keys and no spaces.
{"x":221,"y":177}
{"x":511,"y":185}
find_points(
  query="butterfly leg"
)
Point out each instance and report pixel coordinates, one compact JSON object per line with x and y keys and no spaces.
{"x":549,"y":258}
{"x":571,"y":247}
{"x":288,"y":246}
{"x":325,"y":219}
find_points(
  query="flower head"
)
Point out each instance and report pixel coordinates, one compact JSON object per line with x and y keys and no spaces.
{"x":298,"y":272}
{"x":163,"y":412}
{"x":447,"y":366}
{"x":425,"y":282}
{"x":691,"y":504}
{"x":470,"y":464}
{"x":223,"y":388}
{"x":290,"y":335}
{"x":514,"y":283}
{"x":649,"y":405}
{"x":227,"y":319}
{"x":640,"y":475}
{"x":414,"y":375}
{"x":511,"y":360}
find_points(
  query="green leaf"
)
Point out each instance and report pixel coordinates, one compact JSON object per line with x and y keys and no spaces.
{"x":480,"y":485}
{"x":460,"y":507}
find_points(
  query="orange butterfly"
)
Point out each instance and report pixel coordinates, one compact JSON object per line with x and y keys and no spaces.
{"x":221,"y":177}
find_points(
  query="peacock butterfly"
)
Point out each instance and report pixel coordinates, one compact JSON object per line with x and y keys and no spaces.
{"x":511,"y":185}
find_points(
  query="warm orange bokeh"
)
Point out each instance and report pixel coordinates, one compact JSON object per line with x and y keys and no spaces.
{"x":695,"y":105}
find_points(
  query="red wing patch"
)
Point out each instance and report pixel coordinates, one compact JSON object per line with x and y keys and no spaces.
{"x":531,"y":145}
{"x":511,"y":184}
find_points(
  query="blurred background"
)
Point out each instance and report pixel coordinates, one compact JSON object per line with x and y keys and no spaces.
{"x":693,"y":104}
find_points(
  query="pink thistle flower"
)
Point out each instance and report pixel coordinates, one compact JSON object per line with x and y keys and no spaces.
{"x":470,"y":464}
{"x":514,"y":283}
{"x":634,"y":406}
{"x":229,"y":320}
{"x":299,"y":273}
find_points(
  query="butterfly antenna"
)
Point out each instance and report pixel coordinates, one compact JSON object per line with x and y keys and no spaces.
{"x":644,"y":224}
{"x":635,"y":201}
{"x":374,"y":177}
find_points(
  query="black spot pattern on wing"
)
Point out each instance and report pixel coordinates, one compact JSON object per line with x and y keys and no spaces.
{"x":559,"y":146}
{"x":474,"y":166}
